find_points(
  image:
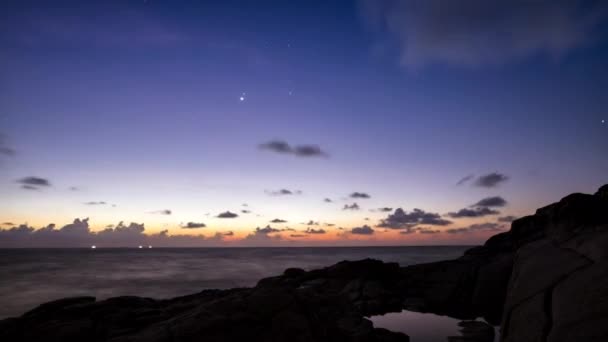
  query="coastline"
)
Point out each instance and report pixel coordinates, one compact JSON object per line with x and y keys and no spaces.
{"x":511,"y":280}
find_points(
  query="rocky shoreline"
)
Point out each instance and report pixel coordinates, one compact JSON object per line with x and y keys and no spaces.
{"x":544,"y":280}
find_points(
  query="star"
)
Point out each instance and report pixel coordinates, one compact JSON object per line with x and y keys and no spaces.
{"x":603,"y":121}
{"x":242,"y":98}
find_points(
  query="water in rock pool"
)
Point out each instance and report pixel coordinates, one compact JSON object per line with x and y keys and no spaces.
{"x":29,"y":277}
{"x":427,"y":327}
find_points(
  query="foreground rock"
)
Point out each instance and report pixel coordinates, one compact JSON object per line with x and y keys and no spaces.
{"x":545,"y":280}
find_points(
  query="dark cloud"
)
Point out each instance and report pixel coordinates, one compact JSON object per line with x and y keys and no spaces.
{"x":246,"y":211}
{"x":308,"y":151}
{"x":491,"y":180}
{"x":482,"y":32}
{"x":298,"y":235}
{"x":315,"y":231}
{"x":359,"y":195}
{"x":33,"y":183}
{"x":424,"y":230}
{"x":383,"y":210}
{"x":8,"y":224}
{"x":465,"y":179}
{"x":283,"y":192}
{"x":193,"y":225}
{"x":330,"y":224}
{"x":276,"y":220}
{"x":327,"y":200}
{"x":365,"y":230}
{"x":266,"y":230}
{"x":95,"y":203}
{"x":473,"y":212}
{"x":478,"y":227}
{"x":490,"y":202}
{"x":227,"y":214}
{"x":353,"y":206}
{"x":401,"y":219}
{"x":311,"y":223}
{"x":79,"y":234}
{"x":229,"y":233}
{"x":162,"y":212}
{"x":279,"y":146}
{"x":507,"y":218}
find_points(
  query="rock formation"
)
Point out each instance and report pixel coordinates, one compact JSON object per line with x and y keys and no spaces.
{"x":544,"y":280}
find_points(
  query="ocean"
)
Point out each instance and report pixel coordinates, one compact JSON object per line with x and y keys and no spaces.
{"x":29,"y":277}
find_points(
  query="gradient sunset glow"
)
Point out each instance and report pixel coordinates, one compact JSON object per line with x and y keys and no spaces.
{"x":162,"y":113}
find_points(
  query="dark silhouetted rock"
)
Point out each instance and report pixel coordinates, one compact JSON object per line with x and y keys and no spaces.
{"x":546,"y":280}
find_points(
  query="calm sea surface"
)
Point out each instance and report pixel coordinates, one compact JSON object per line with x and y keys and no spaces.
{"x":29,"y":277}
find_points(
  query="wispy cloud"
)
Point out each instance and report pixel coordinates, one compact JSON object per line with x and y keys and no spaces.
{"x":481,"y":32}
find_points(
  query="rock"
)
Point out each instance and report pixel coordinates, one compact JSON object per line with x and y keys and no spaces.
{"x":546,"y":279}
{"x":474,"y":331}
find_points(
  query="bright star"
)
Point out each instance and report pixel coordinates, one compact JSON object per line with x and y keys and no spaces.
{"x":242,"y":98}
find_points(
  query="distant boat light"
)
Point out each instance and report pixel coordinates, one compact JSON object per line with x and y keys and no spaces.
{"x":149,"y":246}
{"x":141,"y":246}
{"x":93,"y":247}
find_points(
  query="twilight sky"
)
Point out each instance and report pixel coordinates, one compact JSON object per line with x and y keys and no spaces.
{"x":280,"y":123}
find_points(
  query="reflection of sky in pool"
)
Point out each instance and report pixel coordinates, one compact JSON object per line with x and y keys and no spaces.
{"x":421,"y":327}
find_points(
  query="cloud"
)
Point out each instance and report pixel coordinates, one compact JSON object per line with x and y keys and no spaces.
{"x":315,"y":231}
{"x":74,"y":188}
{"x":266,"y":230}
{"x":276,"y":220}
{"x":298,"y":235}
{"x":95,"y":203}
{"x":282,"y":147}
{"x":4,"y":148}
{"x":246,"y":211}
{"x":473,"y":212}
{"x":283,"y":192}
{"x":245,"y":205}
{"x":8,"y":224}
{"x":478,"y":227}
{"x":311,"y":223}
{"x":162,"y":212}
{"x":491,"y":180}
{"x":228,"y":233}
{"x":227,"y":214}
{"x":365,"y":230}
{"x":353,"y":206}
{"x":465,"y":179}
{"x":327,"y":200}
{"x":424,"y":230}
{"x":383,"y":210}
{"x":359,"y":195}
{"x":330,"y":224}
{"x":507,"y":218}
{"x":481,"y":32}
{"x":193,"y":225}
{"x":79,"y":234}
{"x":401,"y":219}
{"x":490,"y":202}
{"x":33,"y":183}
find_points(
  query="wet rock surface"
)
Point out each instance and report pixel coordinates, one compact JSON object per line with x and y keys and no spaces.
{"x":544,"y":280}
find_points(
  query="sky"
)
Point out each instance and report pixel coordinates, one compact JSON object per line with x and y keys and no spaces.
{"x":295,"y":123}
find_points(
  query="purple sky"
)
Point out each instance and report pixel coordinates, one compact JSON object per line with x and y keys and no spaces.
{"x":165,"y":113}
